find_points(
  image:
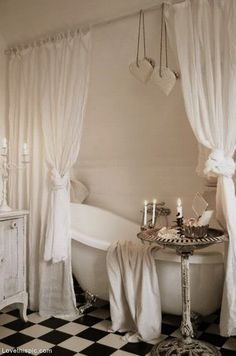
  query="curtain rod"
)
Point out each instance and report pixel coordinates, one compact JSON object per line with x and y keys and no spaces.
{"x":123,"y":17}
{"x":134,"y":13}
{"x":97,"y":23}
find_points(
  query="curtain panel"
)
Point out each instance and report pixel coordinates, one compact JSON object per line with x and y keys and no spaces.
{"x":205,"y":39}
{"x":48,"y":84}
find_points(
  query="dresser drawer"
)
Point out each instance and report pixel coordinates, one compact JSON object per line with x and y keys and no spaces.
{"x":11,"y":257}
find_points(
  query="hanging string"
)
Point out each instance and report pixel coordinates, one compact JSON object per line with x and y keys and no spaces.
{"x":166,"y":45}
{"x":160,"y":62}
{"x":139,"y":27}
{"x":144,"y":36}
{"x":141,"y":22}
{"x":163,"y":26}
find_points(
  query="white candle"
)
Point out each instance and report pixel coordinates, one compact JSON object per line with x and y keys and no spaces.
{"x":153,"y":211}
{"x":145,"y":212}
{"x":179,"y":208}
{"x":4,"y":142}
{"x":25,"y":149}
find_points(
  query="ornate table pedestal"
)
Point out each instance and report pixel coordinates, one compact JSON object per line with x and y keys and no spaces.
{"x":184,"y":247}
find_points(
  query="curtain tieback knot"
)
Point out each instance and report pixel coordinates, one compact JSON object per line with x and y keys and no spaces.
{"x":58,"y":181}
{"x":218,"y":164}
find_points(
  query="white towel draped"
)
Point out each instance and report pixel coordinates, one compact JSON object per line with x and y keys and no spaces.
{"x":134,"y":291}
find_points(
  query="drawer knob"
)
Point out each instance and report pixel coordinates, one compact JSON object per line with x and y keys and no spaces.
{"x":13,"y":225}
{"x":1,"y":259}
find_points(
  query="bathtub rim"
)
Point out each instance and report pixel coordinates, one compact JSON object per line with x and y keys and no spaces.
{"x":107,"y":212}
{"x":89,"y":240}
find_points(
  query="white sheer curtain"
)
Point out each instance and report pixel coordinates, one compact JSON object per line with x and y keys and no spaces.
{"x":48,"y":85}
{"x":205,"y":33}
{"x":24,"y":122}
{"x":65,"y":83}
{"x":64,"y":91}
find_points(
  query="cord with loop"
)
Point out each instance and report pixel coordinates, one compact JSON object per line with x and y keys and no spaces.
{"x":163,"y":25}
{"x":141,"y":23}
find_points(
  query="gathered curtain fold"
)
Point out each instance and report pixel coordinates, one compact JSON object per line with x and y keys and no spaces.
{"x":205,"y":38}
{"x":48,"y":85}
{"x":58,"y":222}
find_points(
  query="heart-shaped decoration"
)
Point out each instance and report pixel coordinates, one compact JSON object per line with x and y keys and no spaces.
{"x":142,"y":71}
{"x":166,"y":81}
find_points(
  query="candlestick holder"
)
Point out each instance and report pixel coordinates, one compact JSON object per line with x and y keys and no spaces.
{"x":179,"y":221}
{"x":5,"y":167}
{"x":160,"y":210}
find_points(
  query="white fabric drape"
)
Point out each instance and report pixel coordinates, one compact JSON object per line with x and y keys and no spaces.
{"x":24,"y":121}
{"x":47,"y":94}
{"x":205,"y":34}
{"x":64,"y":80}
{"x":133,"y":287}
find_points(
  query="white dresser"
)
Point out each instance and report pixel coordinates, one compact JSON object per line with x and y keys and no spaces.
{"x":13,"y":260}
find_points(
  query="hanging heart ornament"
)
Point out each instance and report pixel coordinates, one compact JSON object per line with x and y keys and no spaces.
{"x":141,"y":70}
{"x":163,"y":76}
{"x":165,"y":79}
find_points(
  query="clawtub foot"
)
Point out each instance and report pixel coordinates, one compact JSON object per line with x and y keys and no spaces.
{"x":90,"y":299}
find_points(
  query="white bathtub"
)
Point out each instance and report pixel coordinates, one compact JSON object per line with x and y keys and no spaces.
{"x":94,"y":229}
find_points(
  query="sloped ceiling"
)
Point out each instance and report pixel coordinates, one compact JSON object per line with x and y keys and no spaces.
{"x":23,"y":20}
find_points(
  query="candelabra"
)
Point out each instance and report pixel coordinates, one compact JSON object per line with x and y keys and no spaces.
{"x":151,"y":212}
{"x":6,"y":166}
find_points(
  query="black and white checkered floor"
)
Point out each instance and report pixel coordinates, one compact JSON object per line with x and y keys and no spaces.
{"x":87,"y":335}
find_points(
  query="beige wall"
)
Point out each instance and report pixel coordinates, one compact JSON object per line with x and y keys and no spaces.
{"x":137,"y":143}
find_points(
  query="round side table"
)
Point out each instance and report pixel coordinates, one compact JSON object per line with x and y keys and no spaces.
{"x":185,"y":247}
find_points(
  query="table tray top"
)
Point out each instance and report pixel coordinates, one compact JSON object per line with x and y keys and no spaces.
{"x":170,"y":237}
